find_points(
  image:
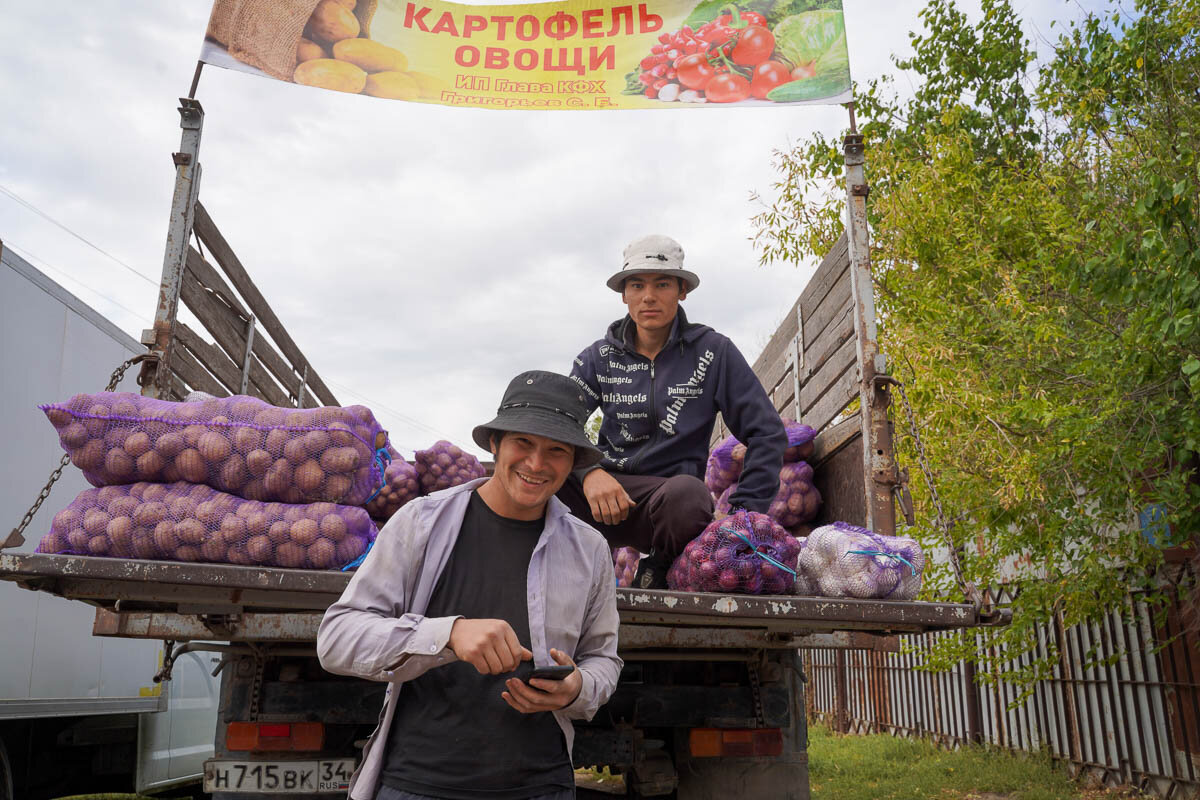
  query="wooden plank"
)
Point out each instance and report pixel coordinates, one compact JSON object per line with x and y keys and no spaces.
{"x":215,"y":361}
{"x":220,"y":321}
{"x":185,"y":365}
{"x":834,"y":438}
{"x":776,"y":348}
{"x":829,"y":309}
{"x":832,"y":402}
{"x":207,"y":230}
{"x":842,"y":361}
{"x":835,"y":262}
{"x":828,"y":343}
{"x":280,"y":369}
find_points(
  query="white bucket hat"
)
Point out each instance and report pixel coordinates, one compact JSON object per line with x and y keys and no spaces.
{"x":654,"y":254}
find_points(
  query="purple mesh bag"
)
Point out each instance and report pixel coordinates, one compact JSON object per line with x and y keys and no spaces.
{"x":400,"y":484}
{"x":444,"y":465}
{"x":843,"y":560}
{"x":800,"y":441}
{"x":796,"y":502}
{"x":239,"y":445}
{"x":722,"y":470}
{"x":625,"y":562}
{"x":746,"y":553}
{"x":193,"y":522}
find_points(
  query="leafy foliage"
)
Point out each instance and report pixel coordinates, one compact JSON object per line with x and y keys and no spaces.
{"x":1035,"y":256}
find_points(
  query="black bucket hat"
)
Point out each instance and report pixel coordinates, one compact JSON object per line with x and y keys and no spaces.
{"x":545,"y":404}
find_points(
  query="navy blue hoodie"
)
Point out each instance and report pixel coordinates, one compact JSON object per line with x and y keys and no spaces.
{"x":659,"y":415}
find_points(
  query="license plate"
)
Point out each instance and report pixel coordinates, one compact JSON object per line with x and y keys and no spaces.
{"x":278,"y":777}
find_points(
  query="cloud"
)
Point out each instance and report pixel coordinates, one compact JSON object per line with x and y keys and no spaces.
{"x":419,"y":255}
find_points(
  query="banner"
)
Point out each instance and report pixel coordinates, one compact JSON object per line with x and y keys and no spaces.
{"x":574,"y":54}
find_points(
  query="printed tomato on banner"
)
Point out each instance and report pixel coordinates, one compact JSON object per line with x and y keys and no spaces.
{"x":579,"y":54}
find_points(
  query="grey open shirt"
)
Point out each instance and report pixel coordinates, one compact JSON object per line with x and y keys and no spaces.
{"x":377,"y":628}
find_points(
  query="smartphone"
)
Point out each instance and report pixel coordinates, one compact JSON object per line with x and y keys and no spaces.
{"x":552,"y":673}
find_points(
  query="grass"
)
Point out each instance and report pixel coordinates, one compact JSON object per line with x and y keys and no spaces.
{"x":882,"y":767}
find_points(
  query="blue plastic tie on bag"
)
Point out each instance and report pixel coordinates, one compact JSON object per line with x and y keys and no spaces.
{"x":382,"y":459}
{"x":761,"y":555}
{"x":886,"y":555}
{"x":356,"y":562}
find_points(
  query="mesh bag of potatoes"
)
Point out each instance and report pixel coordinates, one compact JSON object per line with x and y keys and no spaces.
{"x":444,"y":465}
{"x":322,"y":43}
{"x":401,"y":483}
{"x":625,"y":564}
{"x":239,"y":445}
{"x":726,"y":460}
{"x":191,"y":522}
{"x":844,"y":560}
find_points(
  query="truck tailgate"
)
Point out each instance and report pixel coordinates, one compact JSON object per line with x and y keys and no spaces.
{"x":172,"y":600}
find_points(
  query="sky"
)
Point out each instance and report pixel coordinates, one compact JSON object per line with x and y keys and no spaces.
{"x":419,"y":255}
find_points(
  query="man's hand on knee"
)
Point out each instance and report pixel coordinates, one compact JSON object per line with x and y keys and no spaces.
{"x":608,"y":499}
{"x":489,"y":645}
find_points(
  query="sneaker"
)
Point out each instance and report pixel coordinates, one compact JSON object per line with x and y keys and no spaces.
{"x":651,"y":573}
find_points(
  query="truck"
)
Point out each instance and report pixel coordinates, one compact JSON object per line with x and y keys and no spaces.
{"x":711,"y":698}
{"x":72,"y":707}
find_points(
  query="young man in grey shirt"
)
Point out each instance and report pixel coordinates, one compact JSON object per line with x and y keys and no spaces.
{"x":464,"y":592}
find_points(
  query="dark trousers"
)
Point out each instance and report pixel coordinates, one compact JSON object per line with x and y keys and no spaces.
{"x":669,"y":512}
{"x":388,"y":793}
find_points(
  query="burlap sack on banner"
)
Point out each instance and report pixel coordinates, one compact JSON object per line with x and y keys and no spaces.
{"x":265,"y":33}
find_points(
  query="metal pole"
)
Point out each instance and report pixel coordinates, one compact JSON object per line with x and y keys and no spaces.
{"x":971,"y":697}
{"x":878,"y":461}
{"x":841,"y":711}
{"x":156,"y":372}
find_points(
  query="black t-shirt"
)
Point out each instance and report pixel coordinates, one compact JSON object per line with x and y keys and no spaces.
{"x":453,"y":736}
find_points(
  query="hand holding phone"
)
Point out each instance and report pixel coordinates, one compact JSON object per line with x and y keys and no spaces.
{"x":555,"y":672}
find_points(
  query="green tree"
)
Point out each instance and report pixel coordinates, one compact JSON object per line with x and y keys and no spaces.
{"x":1034,"y":250}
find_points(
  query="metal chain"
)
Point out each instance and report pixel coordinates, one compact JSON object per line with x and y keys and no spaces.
{"x":16,"y":537}
{"x":969,"y":591}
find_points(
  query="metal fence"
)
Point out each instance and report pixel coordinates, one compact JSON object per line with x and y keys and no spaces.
{"x":1120,"y":705}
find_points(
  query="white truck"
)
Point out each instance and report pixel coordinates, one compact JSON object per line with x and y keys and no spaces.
{"x":77,"y":712}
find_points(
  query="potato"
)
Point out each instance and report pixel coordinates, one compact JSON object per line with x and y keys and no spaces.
{"x":315,"y":442}
{"x":337,"y":487}
{"x":107,"y":494}
{"x":148,"y":465}
{"x":192,"y":433}
{"x":280,"y":532}
{"x":257,"y":523}
{"x":258,"y":462}
{"x":269,"y":417}
{"x":333,"y":527}
{"x":90,"y":456}
{"x":254,"y":490}
{"x":278,"y":478}
{"x":340,"y":459}
{"x":305,"y":531}
{"x":120,"y":532}
{"x":290,"y":554}
{"x":295,"y":451}
{"x":154,"y":491}
{"x":429,"y":86}
{"x":149,"y":513}
{"x":339,"y":433}
{"x":246,"y":440}
{"x":191,"y":465}
{"x":59,"y":417}
{"x":214,"y":550}
{"x":143,"y":544}
{"x":115,"y":437}
{"x":124,"y":408}
{"x":98,"y":545}
{"x":321,"y":553}
{"x":77,"y":540}
{"x":123,"y":506}
{"x":349,"y":4}
{"x":96,"y":422}
{"x":233,"y":529}
{"x":164,"y":538}
{"x":74,"y":435}
{"x":237,"y":555}
{"x":190,"y":531}
{"x":95,"y":521}
{"x":328,"y":73}
{"x":180,"y":508}
{"x":331,"y":21}
{"x":119,"y":465}
{"x":370,"y":56}
{"x":293,"y":495}
{"x":214,"y":447}
{"x":187,"y":552}
{"x":169,"y":445}
{"x":233,"y":474}
{"x":309,"y":477}
{"x":170,"y":473}
{"x":391,"y":85}
{"x":349,"y":549}
{"x":260,"y":549}
{"x":307,"y":50}
{"x":66,"y":519}
{"x":293,"y":513}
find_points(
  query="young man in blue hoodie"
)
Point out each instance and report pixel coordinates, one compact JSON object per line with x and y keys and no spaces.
{"x":660,"y":381}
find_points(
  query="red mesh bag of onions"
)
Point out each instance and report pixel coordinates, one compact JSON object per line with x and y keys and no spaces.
{"x":193,"y":522}
{"x":401,"y":483}
{"x":844,"y":560}
{"x":625,"y":563}
{"x":238,"y":444}
{"x":444,"y":465}
{"x":748,"y":553}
